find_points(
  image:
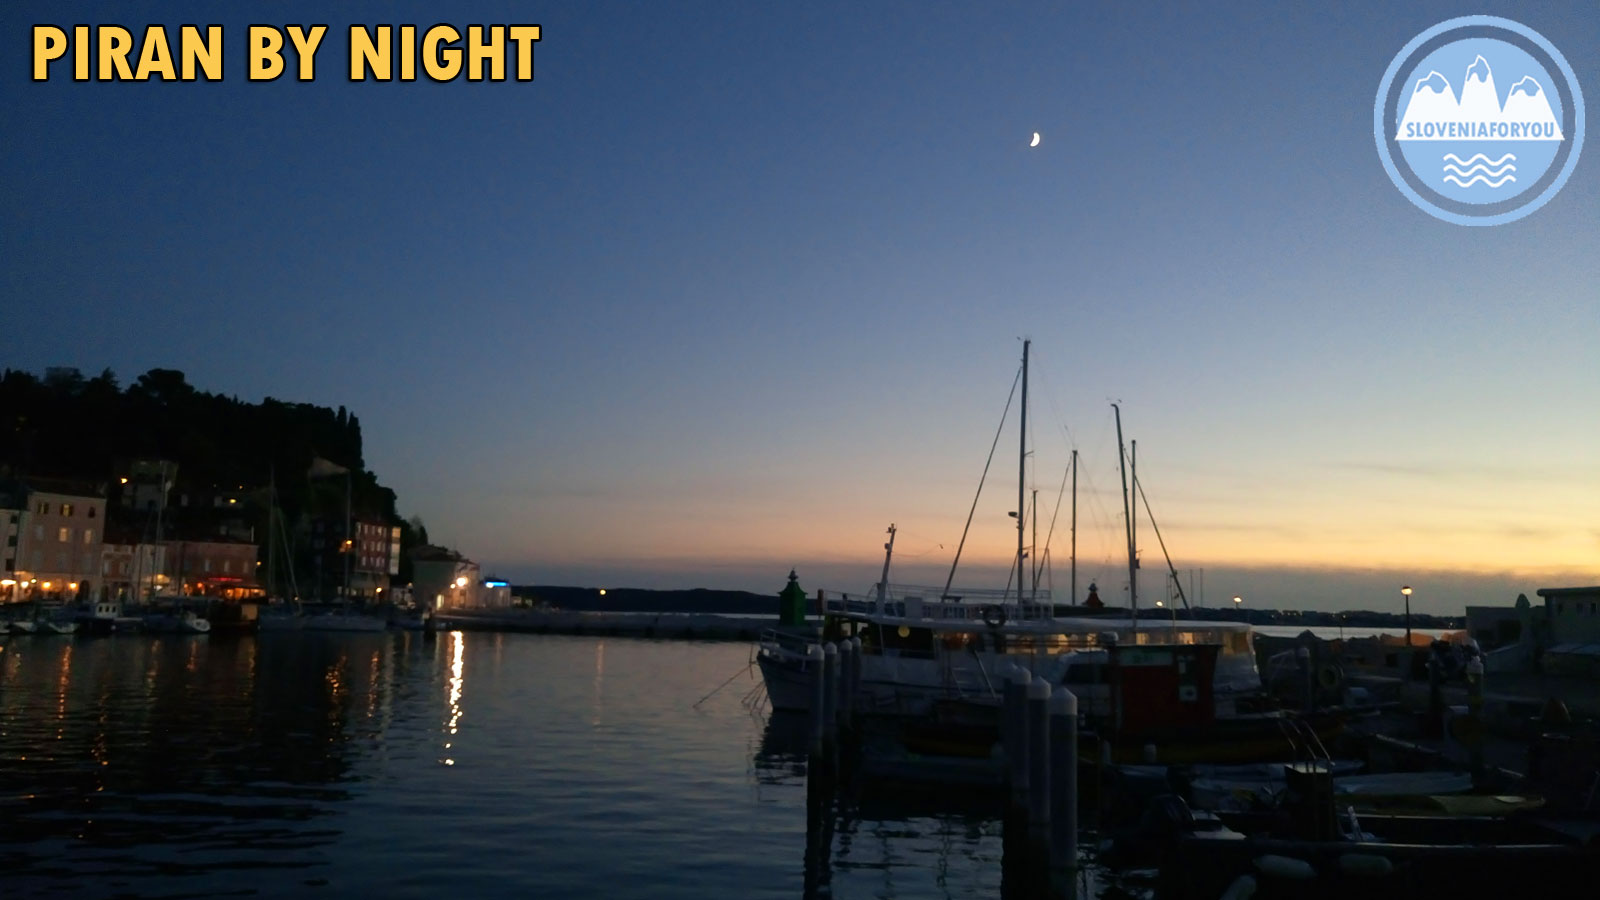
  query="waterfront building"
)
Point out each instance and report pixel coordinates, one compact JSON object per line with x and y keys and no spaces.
{"x":216,"y":567}
{"x":444,"y":579}
{"x":1572,"y":615}
{"x":10,"y":531}
{"x":494,"y":593}
{"x":376,"y":558}
{"x":133,"y":571}
{"x":58,"y":538}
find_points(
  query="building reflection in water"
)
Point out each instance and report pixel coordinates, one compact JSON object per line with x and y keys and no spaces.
{"x":147,"y":757}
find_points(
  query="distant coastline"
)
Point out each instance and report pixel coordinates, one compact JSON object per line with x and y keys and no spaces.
{"x":746,"y":603}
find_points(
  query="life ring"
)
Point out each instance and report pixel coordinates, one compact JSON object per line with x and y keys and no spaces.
{"x":1329,"y":676}
{"x":994,"y":616}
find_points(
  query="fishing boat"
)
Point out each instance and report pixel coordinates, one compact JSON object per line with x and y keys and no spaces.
{"x":172,"y":616}
{"x":99,"y":617}
{"x":786,"y":668}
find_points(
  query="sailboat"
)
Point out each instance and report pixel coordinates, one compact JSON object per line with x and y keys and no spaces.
{"x":343,"y":618}
{"x":925,"y":646}
{"x":282,"y":614}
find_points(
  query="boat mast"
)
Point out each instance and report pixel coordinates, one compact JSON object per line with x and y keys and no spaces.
{"x":1133,"y":528}
{"x":888,"y":553}
{"x":1074,"y":594}
{"x":1022,"y":470}
{"x":272,"y":537}
{"x":1127,"y":516}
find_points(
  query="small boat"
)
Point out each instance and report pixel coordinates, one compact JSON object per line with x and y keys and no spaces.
{"x":786,"y":668}
{"x":57,"y":626}
{"x":410,"y":620}
{"x":344,"y":621}
{"x":24,"y":626}
{"x":232,"y":617}
{"x":99,"y":617}
{"x":178,"y":621}
{"x":280,"y":618}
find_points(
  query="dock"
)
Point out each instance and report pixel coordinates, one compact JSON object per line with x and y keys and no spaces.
{"x":676,"y":626}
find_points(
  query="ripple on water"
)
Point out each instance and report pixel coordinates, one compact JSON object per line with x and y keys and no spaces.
{"x":290,"y":764}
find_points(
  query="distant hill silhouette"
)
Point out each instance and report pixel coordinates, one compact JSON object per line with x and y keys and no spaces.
{"x":698,"y":600}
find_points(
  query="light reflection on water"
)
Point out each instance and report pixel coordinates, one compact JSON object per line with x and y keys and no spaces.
{"x":343,"y":764}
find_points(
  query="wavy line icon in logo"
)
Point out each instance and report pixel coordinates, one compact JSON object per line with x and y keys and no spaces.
{"x":1460,"y":146}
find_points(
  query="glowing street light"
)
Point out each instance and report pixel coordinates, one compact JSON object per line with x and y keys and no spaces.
{"x":1406,"y":592}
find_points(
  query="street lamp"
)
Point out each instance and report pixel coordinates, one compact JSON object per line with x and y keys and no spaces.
{"x":1406,"y":591}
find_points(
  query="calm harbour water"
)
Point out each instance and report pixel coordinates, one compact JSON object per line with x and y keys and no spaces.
{"x":459,"y":765}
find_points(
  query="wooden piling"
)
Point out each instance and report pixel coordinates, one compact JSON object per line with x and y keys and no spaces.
{"x":1038,"y":714}
{"x":855,"y":678}
{"x":830,"y":691}
{"x":841,"y":703}
{"x":1017,"y":755}
{"x":817,"y":668}
{"x":1064,"y":794}
{"x":1474,"y":736}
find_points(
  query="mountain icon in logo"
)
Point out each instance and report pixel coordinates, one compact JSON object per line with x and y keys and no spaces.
{"x":1434,"y":113}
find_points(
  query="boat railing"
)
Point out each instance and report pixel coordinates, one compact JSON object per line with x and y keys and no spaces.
{"x":785,"y":640}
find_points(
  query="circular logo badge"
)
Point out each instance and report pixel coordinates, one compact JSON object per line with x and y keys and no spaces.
{"x":1479,"y":120}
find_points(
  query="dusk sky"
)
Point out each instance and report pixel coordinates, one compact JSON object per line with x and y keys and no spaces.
{"x":729,"y":287}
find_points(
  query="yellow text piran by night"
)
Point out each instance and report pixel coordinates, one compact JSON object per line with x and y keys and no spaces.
{"x":374,"y":53}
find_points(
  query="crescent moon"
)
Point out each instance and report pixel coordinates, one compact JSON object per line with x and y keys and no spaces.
{"x":1035,"y":141}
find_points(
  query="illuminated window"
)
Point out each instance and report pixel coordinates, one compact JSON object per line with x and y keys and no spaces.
{"x":44,"y":509}
{"x":66,"y":509}
{"x":88,"y":535}
{"x":63,"y":534}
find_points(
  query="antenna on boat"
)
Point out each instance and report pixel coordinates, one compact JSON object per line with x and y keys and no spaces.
{"x":888,"y":554}
{"x":1127,"y":515}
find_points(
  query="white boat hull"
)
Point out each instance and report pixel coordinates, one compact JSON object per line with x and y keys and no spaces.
{"x":788,"y":680}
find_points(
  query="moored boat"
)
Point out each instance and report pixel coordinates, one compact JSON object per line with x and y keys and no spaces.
{"x":344,"y":621}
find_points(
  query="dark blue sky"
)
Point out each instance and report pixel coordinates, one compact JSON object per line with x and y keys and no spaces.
{"x":730,"y":286}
